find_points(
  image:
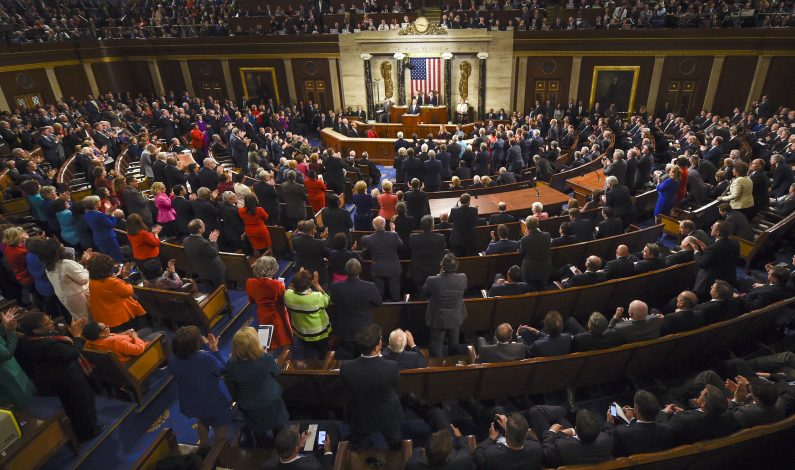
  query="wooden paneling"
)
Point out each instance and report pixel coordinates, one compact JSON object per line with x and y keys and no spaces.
{"x":207,"y":73}
{"x":541,"y":69}
{"x":315,"y":70}
{"x":25,"y":82}
{"x":123,"y":76}
{"x":278,"y":65}
{"x":684,"y":71}
{"x":72,"y":80}
{"x":778,"y":85}
{"x":644,"y":79}
{"x":171,"y":74}
{"x":735,"y":81}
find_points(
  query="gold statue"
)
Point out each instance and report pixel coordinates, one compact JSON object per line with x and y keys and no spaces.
{"x":386,"y":74}
{"x":463,"y":82}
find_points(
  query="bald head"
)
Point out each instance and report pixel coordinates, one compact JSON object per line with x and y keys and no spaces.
{"x":503,"y":333}
{"x":622,"y":251}
{"x":686,"y":300}
{"x":638,"y":310}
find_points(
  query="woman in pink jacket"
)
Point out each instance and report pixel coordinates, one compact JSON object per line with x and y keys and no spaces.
{"x":166,"y":215}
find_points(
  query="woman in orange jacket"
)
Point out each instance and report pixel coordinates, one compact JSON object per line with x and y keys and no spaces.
{"x":111,"y":298}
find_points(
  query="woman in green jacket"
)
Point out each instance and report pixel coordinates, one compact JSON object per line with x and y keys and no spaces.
{"x":15,"y":387}
{"x":306,"y":302}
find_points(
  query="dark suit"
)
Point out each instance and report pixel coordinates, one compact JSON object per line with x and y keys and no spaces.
{"x":502,"y":246}
{"x":463,"y":239}
{"x":679,"y":257}
{"x":537,"y":261}
{"x":309,"y":254}
{"x":427,"y":250}
{"x":501,"y":218}
{"x":433,"y":169}
{"x":620,"y":267}
{"x":680,"y":320}
{"x":371,"y":384}
{"x":585,"y":279}
{"x":618,"y":169}
{"x":136,"y":203}
{"x":760,"y":189}
{"x":204,"y":254}
{"x":718,"y":261}
{"x":207,"y":179}
{"x":610,"y":227}
{"x":184,"y":214}
{"x":740,"y":226}
{"x":232,"y":228}
{"x":412,"y":168}
{"x":383,"y":247}
{"x":588,"y":341}
{"x":754,"y":414}
{"x":560,"y":449}
{"x":646,"y":265}
{"x":619,"y":199}
{"x":490,"y":455}
{"x":582,"y":229}
{"x":715,"y":311}
{"x":208,"y":212}
{"x":417,"y":205}
{"x":354,"y":301}
{"x":764,"y":296}
{"x":692,"y":425}
{"x":542,"y":344}
{"x":514,"y":288}
{"x":639,"y":438}
{"x":295,"y":198}
{"x":499,"y":352}
{"x":446,"y":310}
{"x":641,"y":330}
{"x":782,"y":179}
{"x":408,"y":359}
{"x":174,"y":177}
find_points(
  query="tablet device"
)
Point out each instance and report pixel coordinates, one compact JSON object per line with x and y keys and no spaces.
{"x":265,"y":333}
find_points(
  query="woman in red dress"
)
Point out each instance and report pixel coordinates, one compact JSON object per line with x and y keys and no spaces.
{"x":268,"y":294}
{"x":316,"y":192}
{"x":254,"y":218}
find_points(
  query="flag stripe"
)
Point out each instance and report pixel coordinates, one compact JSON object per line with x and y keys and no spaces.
{"x":425,"y":75}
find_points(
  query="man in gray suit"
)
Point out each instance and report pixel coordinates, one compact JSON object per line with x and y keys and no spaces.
{"x":446,"y":310}
{"x":640,"y":326}
{"x":618,"y":168}
{"x":295,"y":198}
{"x":503,"y":349}
{"x":537,"y":259}
{"x":204,"y":253}
{"x":135,"y":202}
{"x":383,"y":249}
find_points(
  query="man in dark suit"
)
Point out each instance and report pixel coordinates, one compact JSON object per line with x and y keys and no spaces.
{"x":416,"y":202}
{"x":580,"y":227}
{"x":206,"y":210}
{"x":520,"y":449}
{"x":433,"y":169}
{"x":738,"y":222}
{"x":684,"y":318}
{"x":501,"y":217}
{"x":552,"y":341}
{"x":610,"y":226}
{"x":403,"y":350}
{"x":208,"y":175}
{"x":382,"y":247}
{"x":289,"y":443}
{"x":763,"y":295}
{"x":514,"y":158}
{"x":566,"y":236}
{"x":537,"y":259}
{"x":444,"y":451}
{"x":684,"y":255}
{"x":173,"y":174}
{"x":505,"y":177}
{"x":760,"y":187}
{"x":709,"y":421}
{"x":204,"y":253}
{"x":503,"y":349}
{"x":135,"y":202}
{"x":782,"y":176}
{"x":183,"y":209}
{"x":718,"y":261}
{"x":714,"y":154}
{"x":642,"y":434}
{"x":639,"y":327}
{"x":371,"y":383}
{"x":482,"y":160}
{"x":617,"y":168}
{"x":238,"y":146}
{"x":310,"y":252}
{"x":619,"y":200}
{"x":464,"y":218}
{"x":414,"y":108}
{"x":446,"y":310}
{"x":510,"y":284}
{"x":295,"y":198}
{"x":52,"y":148}
{"x":500,"y":242}
{"x":564,"y":445}
{"x":597,"y":336}
{"x":722,"y":305}
{"x":159,"y":167}
{"x":354,"y":300}
{"x":232,"y":234}
{"x":427,"y":249}
{"x":592,"y":274}
{"x":651,"y":259}
{"x":754,"y":402}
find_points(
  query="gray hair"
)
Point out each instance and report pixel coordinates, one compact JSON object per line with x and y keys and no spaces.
{"x":397,"y":341}
{"x":90,"y":202}
{"x":353,"y":267}
{"x":611,"y":180}
{"x":265,"y":266}
{"x":203,"y":193}
{"x":379,"y":223}
{"x":227,"y":196}
{"x":47,"y":190}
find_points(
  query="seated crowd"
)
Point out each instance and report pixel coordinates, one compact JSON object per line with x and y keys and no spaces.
{"x":83,"y":271}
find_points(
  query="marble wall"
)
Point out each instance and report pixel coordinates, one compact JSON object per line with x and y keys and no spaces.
{"x":463,"y":44}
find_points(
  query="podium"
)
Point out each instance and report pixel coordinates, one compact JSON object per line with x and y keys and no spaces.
{"x":410,"y":119}
{"x":428,"y":115}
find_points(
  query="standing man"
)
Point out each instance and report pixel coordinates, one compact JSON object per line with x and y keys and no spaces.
{"x":446,"y":310}
{"x":204,"y":253}
{"x":537,"y":259}
{"x":383,"y":248}
{"x":372,"y":383}
{"x":463,"y":239}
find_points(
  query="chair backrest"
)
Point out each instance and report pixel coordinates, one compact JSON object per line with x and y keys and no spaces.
{"x":177,"y":252}
{"x":238,"y":268}
{"x":164,"y":445}
{"x":173,"y":306}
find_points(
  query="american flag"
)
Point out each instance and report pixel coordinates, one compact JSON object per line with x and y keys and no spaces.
{"x":426,"y":75}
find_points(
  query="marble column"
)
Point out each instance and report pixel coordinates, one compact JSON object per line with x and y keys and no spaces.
{"x":368,"y":85}
{"x":401,"y":78}
{"x":448,"y":84}
{"x":482,"y":56}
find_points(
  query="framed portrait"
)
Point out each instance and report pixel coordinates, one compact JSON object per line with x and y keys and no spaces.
{"x":259,"y":84}
{"x":615,"y":85}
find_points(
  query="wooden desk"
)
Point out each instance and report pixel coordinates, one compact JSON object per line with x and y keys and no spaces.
{"x":428,"y":115}
{"x":518,"y":201}
{"x":410,"y":119}
{"x":396,"y":113}
{"x":41,"y":439}
{"x":586,"y":184}
{"x":380,"y":150}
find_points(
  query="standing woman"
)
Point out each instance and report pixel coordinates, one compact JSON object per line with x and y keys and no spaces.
{"x":143,"y":243}
{"x":741,"y":191}
{"x":15,"y":387}
{"x":252,"y":376}
{"x":69,"y":278}
{"x":198,"y":376}
{"x":66,"y":222}
{"x":101,"y":226}
{"x":268,"y":294}
{"x":59,"y":368}
{"x":166,"y":215}
{"x":307,"y":301}
{"x":111,"y":299}
{"x":387,"y":201}
{"x":363,"y":217}
{"x":315,"y":191}
{"x":254,"y":218}
{"x":81,"y":228}
{"x":666,"y":191}
{"x":16,"y":253}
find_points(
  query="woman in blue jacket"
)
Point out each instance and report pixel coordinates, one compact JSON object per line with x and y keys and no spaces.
{"x":66,"y":222}
{"x":101,"y":226}
{"x":666,"y":192}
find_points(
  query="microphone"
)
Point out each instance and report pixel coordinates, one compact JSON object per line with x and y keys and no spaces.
{"x":596,"y":172}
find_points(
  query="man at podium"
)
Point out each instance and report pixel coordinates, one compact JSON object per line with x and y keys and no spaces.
{"x":414,"y":108}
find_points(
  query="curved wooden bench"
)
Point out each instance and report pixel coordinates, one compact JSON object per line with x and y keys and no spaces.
{"x":547,"y":374}
{"x":765,"y":241}
{"x":179,"y":308}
